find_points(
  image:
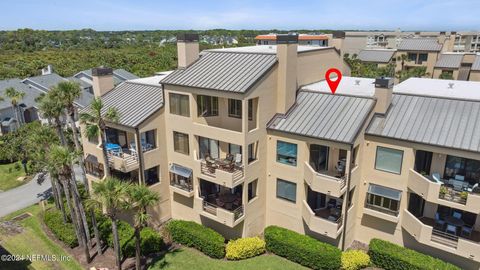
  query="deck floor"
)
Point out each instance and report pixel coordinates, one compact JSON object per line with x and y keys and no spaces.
{"x":431,"y":222}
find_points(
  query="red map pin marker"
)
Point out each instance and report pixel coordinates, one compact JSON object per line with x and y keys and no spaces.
{"x":333,"y":84}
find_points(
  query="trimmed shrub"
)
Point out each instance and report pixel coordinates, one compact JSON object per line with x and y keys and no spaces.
{"x":64,"y":232}
{"x":355,"y":260}
{"x":394,"y":257}
{"x":198,"y":236}
{"x":244,"y":248}
{"x":302,"y":249}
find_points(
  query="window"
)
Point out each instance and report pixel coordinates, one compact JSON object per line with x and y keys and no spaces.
{"x":179,"y":104}
{"x":389,"y":160}
{"x":151,"y":176}
{"x":350,"y":197}
{"x":93,"y":167}
{"x":207,"y":106}
{"x":286,"y":190}
{"x":250,"y":109}
{"x":252,"y":152}
{"x":181,"y":177}
{"x":412,"y":57}
{"x":180,"y":143}
{"x":148,"y":140}
{"x":422,"y":57}
{"x":319,"y":157}
{"x":235,"y":108}
{"x":383,"y":199}
{"x":287,"y":153}
{"x":252,"y":189}
{"x":468,"y":168}
{"x":208,"y":147}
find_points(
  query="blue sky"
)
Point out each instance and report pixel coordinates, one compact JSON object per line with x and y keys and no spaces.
{"x":236,"y":14}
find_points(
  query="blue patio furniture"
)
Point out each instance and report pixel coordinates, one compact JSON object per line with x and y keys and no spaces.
{"x":451,"y":229}
{"x":439,"y":221}
{"x":467,"y":230}
{"x":457,"y":214}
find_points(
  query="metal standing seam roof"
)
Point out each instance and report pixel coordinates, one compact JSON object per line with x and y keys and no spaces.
{"x":44,"y":81}
{"x":476,"y":63}
{"x":135,"y":102}
{"x":451,"y":123}
{"x":420,"y":44}
{"x":325,"y":116}
{"x":225,"y":71}
{"x":449,"y":60}
{"x":119,"y":75}
{"x":376,"y":56}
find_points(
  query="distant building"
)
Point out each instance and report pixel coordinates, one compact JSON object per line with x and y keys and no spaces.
{"x":303,"y":39}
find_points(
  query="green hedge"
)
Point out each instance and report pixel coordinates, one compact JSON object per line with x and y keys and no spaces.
{"x":198,"y":236}
{"x":64,"y":232}
{"x":394,"y":257}
{"x":302,"y":249}
{"x":150,"y":240}
{"x":244,"y":248}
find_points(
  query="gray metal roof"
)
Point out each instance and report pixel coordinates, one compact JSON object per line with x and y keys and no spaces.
{"x":449,"y":60}
{"x":226,"y":71}
{"x":376,"y":56}
{"x":325,"y":116}
{"x":30,"y":93}
{"x":135,"y":102}
{"x":119,"y":75}
{"x":44,"y":82}
{"x":420,"y":44}
{"x":442,"y":122}
{"x":476,"y":63}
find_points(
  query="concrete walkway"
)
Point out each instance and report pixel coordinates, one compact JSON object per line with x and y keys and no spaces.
{"x":27,"y":194}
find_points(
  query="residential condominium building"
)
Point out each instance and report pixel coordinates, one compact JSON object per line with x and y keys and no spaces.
{"x":303,"y":39}
{"x":244,"y":138}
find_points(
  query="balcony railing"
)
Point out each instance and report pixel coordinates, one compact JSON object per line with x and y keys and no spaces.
{"x":213,"y":209}
{"x":122,"y":161}
{"x":323,"y":182}
{"x":382,"y":209}
{"x":321,"y":224}
{"x":185,"y":185}
{"x":231,"y":175}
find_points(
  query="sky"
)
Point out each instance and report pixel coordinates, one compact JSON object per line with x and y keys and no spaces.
{"x":435,"y":15}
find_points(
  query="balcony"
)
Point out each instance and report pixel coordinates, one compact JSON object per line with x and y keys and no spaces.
{"x":230,"y":218}
{"x":222,"y":172}
{"x":124,"y":162}
{"x":182,"y":187}
{"x":422,"y":229}
{"x":324,"y":182}
{"x":322,"y":221}
{"x":446,"y":192}
{"x":382,"y":213}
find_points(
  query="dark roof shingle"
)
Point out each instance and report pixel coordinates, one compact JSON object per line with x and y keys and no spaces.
{"x":376,"y":56}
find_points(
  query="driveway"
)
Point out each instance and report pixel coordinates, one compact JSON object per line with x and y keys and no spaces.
{"x":27,"y":194}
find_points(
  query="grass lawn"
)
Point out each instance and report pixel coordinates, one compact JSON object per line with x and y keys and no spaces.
{"x":9,"y":175}
{"x":187,"y":258}
{"x":33,"y":240}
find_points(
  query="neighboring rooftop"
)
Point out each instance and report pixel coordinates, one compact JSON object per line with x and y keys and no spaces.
{"x":224,"y":70}
{"x":476,"y":63}
{"x":350,"y":86}
{"x":44,"y":82}
{"x":300,"y":37}
{"x":134,"y":101}
{"x":153,"y":80}
{"x":430,"y":120}
{"x":376,"y":55}
{"x":325,"y":116}
{"x":265,"y":49}
{"x":452,"y":89}
{"x":119,"y":75}
{"x":420,"y":44}
{"x":30,"y":93}
{"x":449,"y":60}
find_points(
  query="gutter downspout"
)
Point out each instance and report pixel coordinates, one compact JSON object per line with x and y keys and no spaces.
{"x":347,"y":198}
{"x":140,"y":157}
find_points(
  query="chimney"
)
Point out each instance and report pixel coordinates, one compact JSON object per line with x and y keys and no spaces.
{"x":187,"y":49}
{"x":338,"y":38}
{"x":48,"y":70}
{"x":287,"y":45}
{"x":102,"y":80}
{"x":383,"y":94}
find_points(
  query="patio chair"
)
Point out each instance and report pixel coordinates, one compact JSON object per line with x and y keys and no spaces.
{"x":230,"y":157}
{"x":238,"y":158}
{"x":451,"y":229}
{"x":436,"y":177}
{"x":467,"y":230}
{"x":219,"y":202}
{"x":472,"y":189}
{"x":457,"y":214}
{"x":439,"y":221}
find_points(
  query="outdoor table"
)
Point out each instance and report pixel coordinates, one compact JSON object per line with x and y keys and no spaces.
{"x":454,"y":221}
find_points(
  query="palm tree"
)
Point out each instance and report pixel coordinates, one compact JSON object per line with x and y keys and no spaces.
{"x":66,"y":93}
{"x":109,"y":195}
{"x":15,"y":98}
{"x":62,"y":159}
{"x":95,"y":122}
{"x":402,"y":58}
{"x":140,"y":197}
{"x":53,"y":110}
